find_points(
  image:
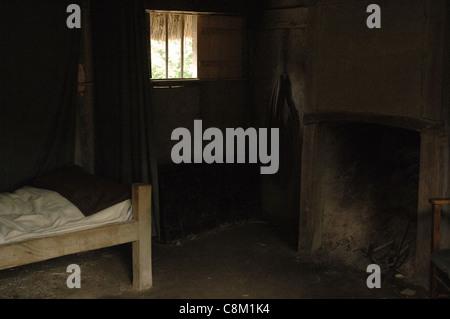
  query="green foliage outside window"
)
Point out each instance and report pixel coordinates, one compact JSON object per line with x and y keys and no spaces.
{"x":158,"y":59}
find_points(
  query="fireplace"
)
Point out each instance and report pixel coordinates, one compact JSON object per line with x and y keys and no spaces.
{"x":370,"y":190}
{"x":390,"y":83}
{"x":366,"y":184}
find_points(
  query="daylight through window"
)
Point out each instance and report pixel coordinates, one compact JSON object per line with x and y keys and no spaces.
{"x":173,"y":45}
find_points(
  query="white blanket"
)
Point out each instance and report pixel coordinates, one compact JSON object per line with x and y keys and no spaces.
{"x":33,"y":212}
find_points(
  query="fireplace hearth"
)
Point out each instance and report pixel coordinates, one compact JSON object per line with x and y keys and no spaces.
{"x":370,"y":189}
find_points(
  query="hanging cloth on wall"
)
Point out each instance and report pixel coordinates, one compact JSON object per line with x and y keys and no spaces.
{"x":38,"y":83}
{"x":125,"y":150}
{"x":284,"y":115}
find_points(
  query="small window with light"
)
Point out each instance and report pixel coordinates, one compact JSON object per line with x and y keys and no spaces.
{"x":173,"y":45}
{"x":189,"y":45}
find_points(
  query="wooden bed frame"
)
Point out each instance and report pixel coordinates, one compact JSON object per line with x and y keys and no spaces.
{"x":137,"y":231}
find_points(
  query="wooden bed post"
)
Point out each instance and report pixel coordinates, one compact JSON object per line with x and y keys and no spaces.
{"x":142,"y":248}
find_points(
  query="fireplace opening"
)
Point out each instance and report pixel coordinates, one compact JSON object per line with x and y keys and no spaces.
{"x":370,"y":196}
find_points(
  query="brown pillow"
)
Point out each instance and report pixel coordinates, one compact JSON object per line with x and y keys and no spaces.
{"x":90,"y":193}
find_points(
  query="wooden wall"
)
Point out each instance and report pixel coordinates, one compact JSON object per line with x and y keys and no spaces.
{"x":392,"y":70}
{"x":221,"y":99}
{"x":279,"y":47}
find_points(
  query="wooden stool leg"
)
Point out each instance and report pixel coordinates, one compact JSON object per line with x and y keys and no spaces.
{"x":436,"y":246}
{"x":434,"y":282}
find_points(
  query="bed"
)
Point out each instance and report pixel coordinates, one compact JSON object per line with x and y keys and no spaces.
{"x":70,"y":211}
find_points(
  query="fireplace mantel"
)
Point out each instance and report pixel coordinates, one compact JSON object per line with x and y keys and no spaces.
{"x":408,"y":123}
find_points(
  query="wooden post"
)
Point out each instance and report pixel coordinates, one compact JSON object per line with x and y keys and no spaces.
{"x":142,"y":248}
{"x":428,"y":188}
{"x":436,"y":227}
{"x":436,"y":246}
{"x":85,"y":127}
{"x":311,"y":210}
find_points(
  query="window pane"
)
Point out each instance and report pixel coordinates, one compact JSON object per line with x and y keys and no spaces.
{"x":181,"y":60}
{"x":158,"y":57}
{"x":158,"y":45}
{"x":176,"y":30}
{"x":190,"y":67}
{"x":174,"y":59}
{"x":190,"y":46}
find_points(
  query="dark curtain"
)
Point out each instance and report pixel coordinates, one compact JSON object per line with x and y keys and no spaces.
{"x":38,"y":82}
{"x":124,"y":146}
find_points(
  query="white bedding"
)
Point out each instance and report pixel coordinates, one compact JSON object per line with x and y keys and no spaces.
{"x":34,"y":212}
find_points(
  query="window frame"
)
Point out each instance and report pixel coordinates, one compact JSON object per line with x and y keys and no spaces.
{"x":182,"y":82}
{"x":166,"y":79}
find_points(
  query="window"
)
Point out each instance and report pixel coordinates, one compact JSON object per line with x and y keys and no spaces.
{"x":173,"y":45}
{"x":196,"y":46}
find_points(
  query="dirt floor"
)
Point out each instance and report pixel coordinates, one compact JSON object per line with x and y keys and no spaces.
{"x":251,"y":260}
